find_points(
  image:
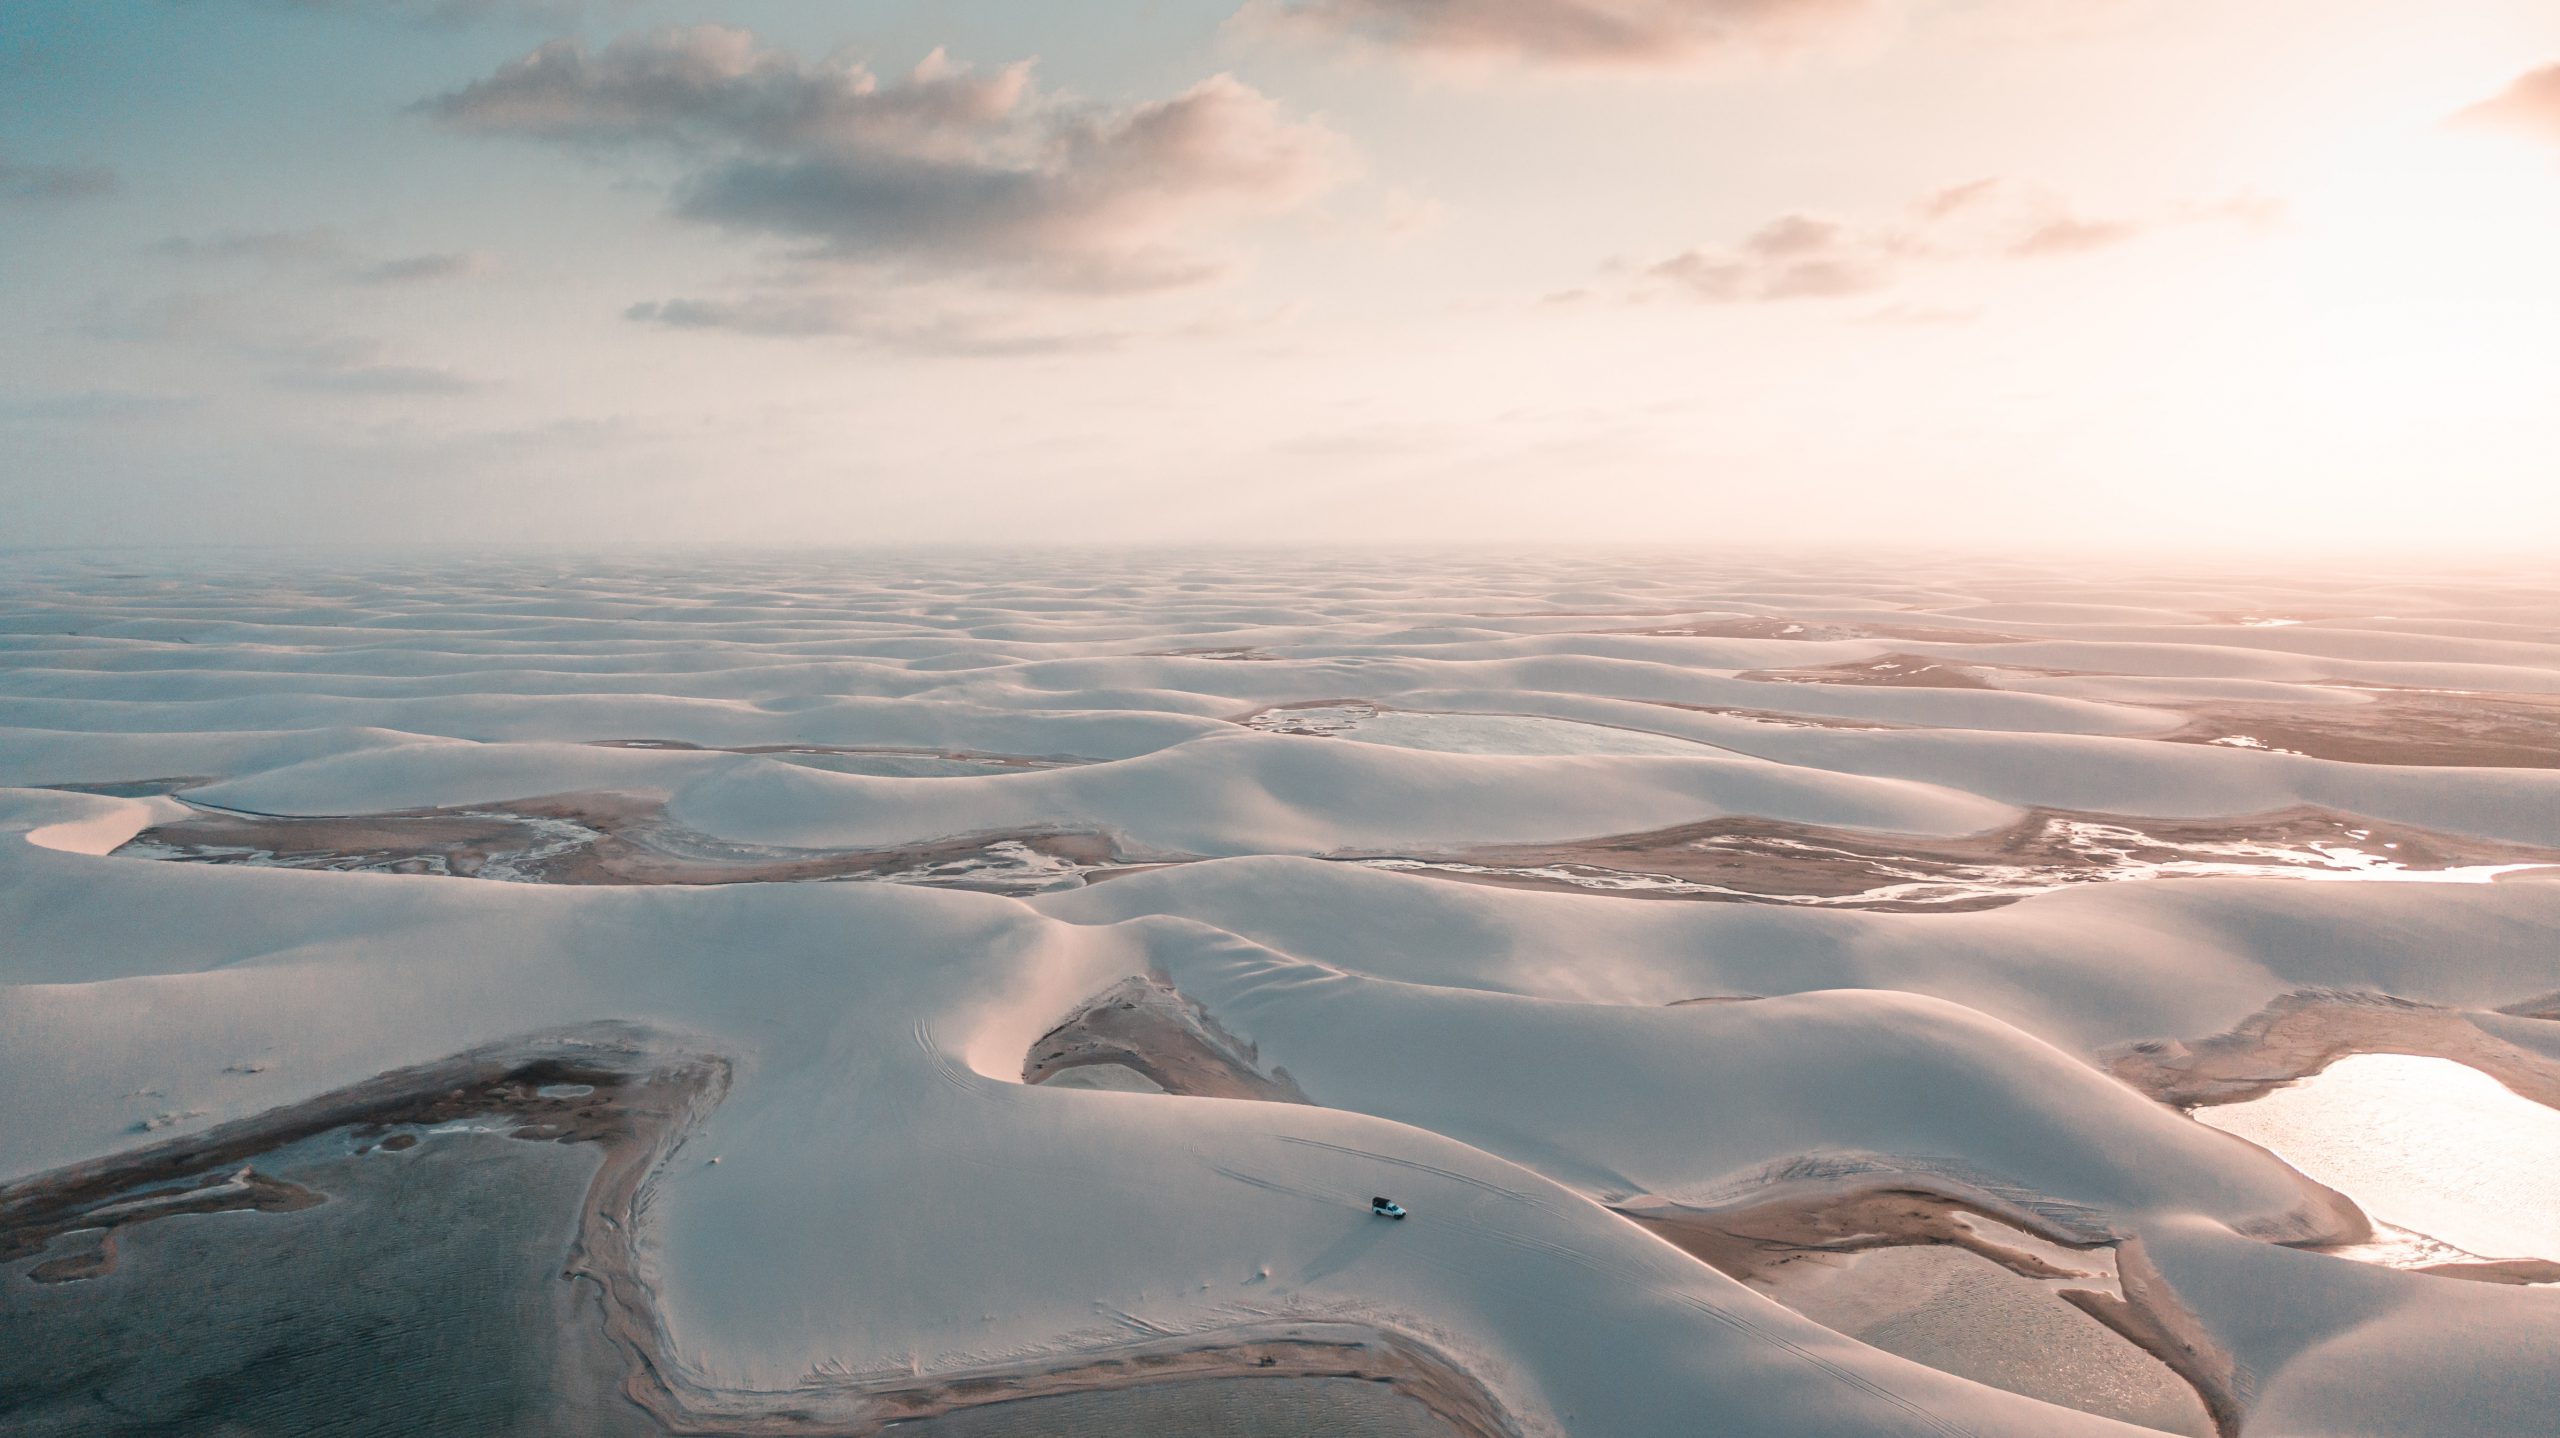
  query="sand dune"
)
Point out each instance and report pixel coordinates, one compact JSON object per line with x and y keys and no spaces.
{"x":246,"y":875}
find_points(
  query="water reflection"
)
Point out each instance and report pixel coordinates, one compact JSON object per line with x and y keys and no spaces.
{"x":2431,"y":1147}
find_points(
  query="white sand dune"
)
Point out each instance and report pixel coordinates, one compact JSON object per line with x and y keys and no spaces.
{"x":891,"y":1198}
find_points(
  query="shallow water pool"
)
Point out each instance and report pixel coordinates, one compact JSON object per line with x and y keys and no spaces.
{"x":2423,"y":1144}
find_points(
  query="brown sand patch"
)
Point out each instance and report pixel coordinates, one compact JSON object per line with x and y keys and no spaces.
{"x":2301,"y":1033}
{"x":91,"y":1254}
{"x":1778,"y":718}
{"x":2518,"y":1271}
{"x":1144,"y":1023}
{"x":1896,"y":671}
{"x":1767,"y":861}
{"x":1244,"y":655}
{"x":598,"y":838}
{"x":2410,"y":727}
{"x":97,"y":1226}
{"x":2148,"y":1315}
{"x":889,"y":751}
{"x":132,"y":788}
{"x":2397,"y":726}
{"x":212,"y":1172}
{"x":1815,"y":631}
{"x":1758,"y":1240}
{"x":1755,"y":1241}
{"x":1311,"y":717}
{"x":1278,"y":1350}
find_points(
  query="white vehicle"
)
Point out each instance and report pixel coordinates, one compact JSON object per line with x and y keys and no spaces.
{"x":1386,"y":1208}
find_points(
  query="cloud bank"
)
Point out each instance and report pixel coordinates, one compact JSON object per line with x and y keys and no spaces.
{"x":944,"y":171}
{"x":2530,"y":105}
{"x":49,"y":184}
{"x":1568,"y":32}
{"x":1811,"y":257}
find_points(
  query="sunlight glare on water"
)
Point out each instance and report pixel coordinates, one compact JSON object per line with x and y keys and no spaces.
{"x":2423,"y":1144}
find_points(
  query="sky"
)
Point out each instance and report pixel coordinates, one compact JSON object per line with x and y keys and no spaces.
{"x":2209,"y":274}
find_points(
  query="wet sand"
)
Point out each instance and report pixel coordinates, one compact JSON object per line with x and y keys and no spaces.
{"x":1397,"y":1363}
{"x":1764,"y":861}
{"x":1818,"y":631}
{"x":2395,"y":726}
{"x":421,"y":1299}
{"x":1207,"y":1408}
{"x":629,"y":1097}
{"x":637,"y":1093}
{"x":2303,"y":1032}
{"x":1246,"y":655}
{"x":2420,"y":727}
{"x":1963,"y":1314}
{"x":1801,"y":1230}
{"x":604,"y":839}
{"x":620,"y":839}
{"x":134,"y":788}
{"x":885,"y":760}
{"x":1896,"y":671}
{"x":455,"y":1321}
{"x":1146,"y":1026}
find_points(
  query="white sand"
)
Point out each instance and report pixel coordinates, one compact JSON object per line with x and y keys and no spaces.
{"x":890,"y":1196}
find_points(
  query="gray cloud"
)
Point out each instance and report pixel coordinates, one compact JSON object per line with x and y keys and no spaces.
{"x":1794,"y":257}
{"x":268,"y":246}
{"x":375,"y":379}
{"x":2530,"y":105}
{"x":447,"y":12}
{"x":1568,"y":32}
{"x":53,"y":184}
{"x":429,"y":269}
{"x":946,"y":170}
{"x":945,"y":331}
{"x":1811,"y":257}
{"x":324,"y":248}
{"x":240,"y":332}
{"x":182,"y":317}
{"x":92,"y":404}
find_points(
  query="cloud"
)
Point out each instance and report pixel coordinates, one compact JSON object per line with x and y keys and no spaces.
{"x":1793,"y":257}
{"x":2530,"y":105}
{"x":429,"y":269}
{"x":1815,"y":257}
{"x":322,"y":247}
{"x":344,"y":364}
{"x":1568,"y":32}
{"x":268,"y":246}
{"x":375,"y":379}
{"x":945,"y":171}
{"x":933,"y":330}
{"x":435,"y":11}
{"x":240,"y":331}
{"x":182,"y":317}
{"x":92,"y":404}
{"x":53,"y":184}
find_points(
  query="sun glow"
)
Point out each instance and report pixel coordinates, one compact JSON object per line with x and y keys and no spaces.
{"x":2423,"y":280}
